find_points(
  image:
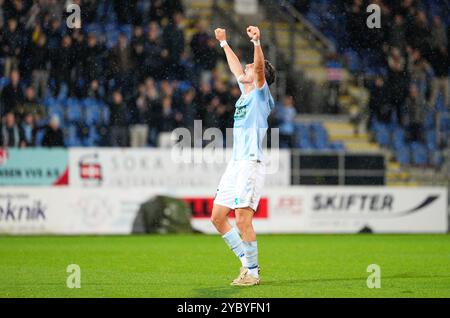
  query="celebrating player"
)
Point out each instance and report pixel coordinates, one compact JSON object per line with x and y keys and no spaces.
{"x":241,"y":184}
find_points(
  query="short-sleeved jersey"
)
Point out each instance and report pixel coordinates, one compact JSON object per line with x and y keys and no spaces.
{"x":250,"y":123}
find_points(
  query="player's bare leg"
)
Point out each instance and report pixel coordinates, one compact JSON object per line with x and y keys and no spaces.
{"x":219,"y":219}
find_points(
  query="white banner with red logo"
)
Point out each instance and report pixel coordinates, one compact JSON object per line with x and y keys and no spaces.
{"x":131,"y":168}
{"x":282,"y":210}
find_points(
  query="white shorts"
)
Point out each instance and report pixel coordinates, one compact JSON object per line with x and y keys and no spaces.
{"x":241,"y":185}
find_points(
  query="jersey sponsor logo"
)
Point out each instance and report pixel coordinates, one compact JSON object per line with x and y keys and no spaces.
{"x":240,"y":112}
{"x":202,"y":208}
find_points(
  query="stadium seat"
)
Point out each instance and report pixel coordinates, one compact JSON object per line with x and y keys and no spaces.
{"x":382,"y":134}
{"x":419,"y":154}
{"x":72,"y":139}
{"x":73,"y":111}
{"x":398,"y":138}
{"x":39,"y":137}
{"x":3,"y":82}
{"x":430,"y":139}
{"x":403,"y":156}
{"x":320,"y":137}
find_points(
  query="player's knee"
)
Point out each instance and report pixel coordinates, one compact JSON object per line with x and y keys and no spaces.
{"x":217,"y":220}
{"x":243,"y":224}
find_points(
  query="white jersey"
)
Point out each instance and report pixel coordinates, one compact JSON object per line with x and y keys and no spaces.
{"x":250,"y":123}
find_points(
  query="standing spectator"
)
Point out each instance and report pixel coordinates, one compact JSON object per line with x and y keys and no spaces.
{"x":118,"y":121}
{"x":438,"y":33}
{"x":397,"y":83}
{"x":94,"y":54}
{"x":188,"y":109}
{"x":154,"y":106}
{"x":397,"y":33}
{"x":156,"y":56}
{"x":140,"y":117}
{"x":121,"y":65}
{"x":29,"y":130}
{"x":2,"y":12}
{"x":157,"y":12}
{"x":356,"y":24}
{"x":11,"y":46}
{"x":419,"y":70}
{"x":379,"y":107}
{"x":62,"y":65}
{"x":53,"y":134}
{"x":11,"y":134}
{"x":137,"y":47}
{"x":172,"y":7}
{"x":419,"y":34}
{"x":441,"y":62}
{"x":173,"y":37}
{"x":415,"y":106}
{"x":12,"y":95}
{"x":286,"y":117}
{"x":205,"y":54}
{"x":168,"y":120}
{"x":199,"y":44}
{"x":39,"y":64}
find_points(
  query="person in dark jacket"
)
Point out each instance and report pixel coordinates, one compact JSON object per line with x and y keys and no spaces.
{"x":118,"y":122}
{"x":173,"y":36}
{"x":40,"y":59}
{"x":62,"y":65}
{"x":12,"y":94}
{"x":11,"y":134}
{"x":11,"y":45}
{"x":53,"y":136}
{"x":379,"y":107}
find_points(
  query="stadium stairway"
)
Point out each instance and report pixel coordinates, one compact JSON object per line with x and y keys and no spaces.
{"x":311,"y":58}
{"x":340,"y":129}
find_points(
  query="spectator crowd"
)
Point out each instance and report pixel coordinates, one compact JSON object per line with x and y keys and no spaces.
{"x":407,"y":58}
{"x":132,"y":57}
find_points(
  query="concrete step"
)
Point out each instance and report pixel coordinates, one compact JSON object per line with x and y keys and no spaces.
{"x":361,"y":146}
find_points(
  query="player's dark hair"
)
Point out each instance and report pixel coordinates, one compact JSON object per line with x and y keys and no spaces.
{"x":270,"y":73}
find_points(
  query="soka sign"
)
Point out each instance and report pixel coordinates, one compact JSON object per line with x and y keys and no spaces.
{"x":162,"y":168}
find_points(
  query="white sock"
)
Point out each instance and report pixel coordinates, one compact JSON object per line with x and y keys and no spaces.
{"x":251,"y":253}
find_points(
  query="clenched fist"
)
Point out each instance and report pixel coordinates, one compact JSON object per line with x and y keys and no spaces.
{"x":221,"y":34}
{"x":253,"y":33}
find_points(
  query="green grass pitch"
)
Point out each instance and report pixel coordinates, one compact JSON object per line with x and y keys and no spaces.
{"x":202,"y":266}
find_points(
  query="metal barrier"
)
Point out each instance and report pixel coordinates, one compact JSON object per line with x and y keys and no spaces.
{"x":337,"y":168}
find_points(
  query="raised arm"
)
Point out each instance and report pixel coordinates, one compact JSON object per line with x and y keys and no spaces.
{"x":258,"y":56}
{"x":232,"y":59}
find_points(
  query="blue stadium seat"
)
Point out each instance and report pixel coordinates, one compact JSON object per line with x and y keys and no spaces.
{"x":429,"y":120}
{"x":92,"y":115}
{"x":73,"y":111}
{"x":419,"y":154}
{"x":430,"y":139}
{"x":72,"y":138}
{"x":302,"y":137}
{"x":3,"y":82}
{"x":39,"y":137}
{"x":382,"y":134}
{"x":398,"y":138}
{"x":403,"y":156}
{"x":337,"y":145}
{"x":320,"y":138}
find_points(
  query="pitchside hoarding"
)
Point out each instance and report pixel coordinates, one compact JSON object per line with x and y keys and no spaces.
{"x":33,"y":167}
{"x":282,"y":210}
{"x":125,"y":168}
